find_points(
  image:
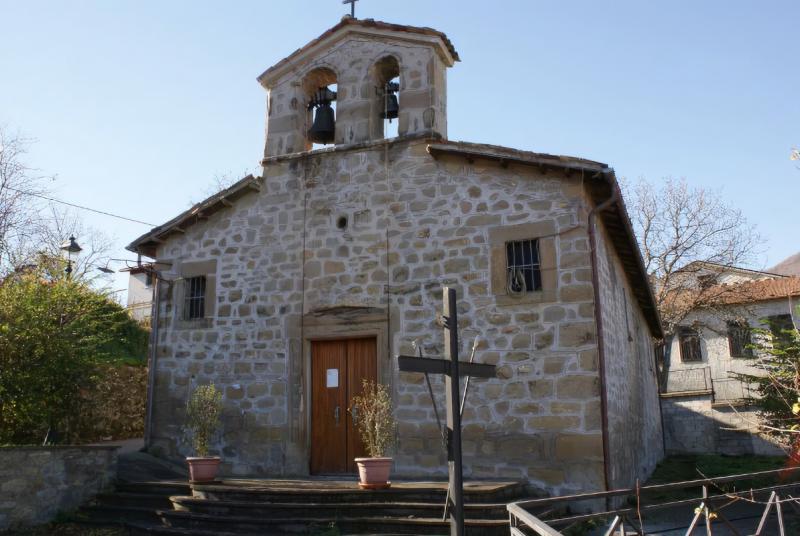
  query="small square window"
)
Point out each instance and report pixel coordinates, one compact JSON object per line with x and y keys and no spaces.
{"x":690,"y":345}
{"x":739,"y":339}
{"x":194,"y":297}
{"x":524,"y":272}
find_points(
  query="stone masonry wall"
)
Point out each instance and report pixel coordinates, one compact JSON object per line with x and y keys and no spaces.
{"x":287,"y":273}
{"x":36,"y":483}
{"x":693,"y":424}
{"x":634,"y":419}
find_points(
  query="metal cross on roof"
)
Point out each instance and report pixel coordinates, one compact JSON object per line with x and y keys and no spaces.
{"x":352,"y":6}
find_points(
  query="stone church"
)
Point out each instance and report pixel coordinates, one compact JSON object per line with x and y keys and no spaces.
{"x":286,"y":290}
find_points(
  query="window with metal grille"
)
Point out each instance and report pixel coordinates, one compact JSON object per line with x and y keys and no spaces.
{"x":690,"y":345}
{"x":194,"y":301}
{"x":523,"y":268}
{"x":739,"y":339}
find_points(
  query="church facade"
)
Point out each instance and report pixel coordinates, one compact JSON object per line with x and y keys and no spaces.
{"x":288,"y":289}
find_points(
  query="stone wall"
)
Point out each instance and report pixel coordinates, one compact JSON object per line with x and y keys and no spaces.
{"x":634,"y":420}
{"x":36,"y":483}
{"x":693,"y":424}
{"x":359,"y":241}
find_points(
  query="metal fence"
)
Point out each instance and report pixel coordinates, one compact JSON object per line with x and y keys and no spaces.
{"x":712,"y":504}
{"x":683,"y":380}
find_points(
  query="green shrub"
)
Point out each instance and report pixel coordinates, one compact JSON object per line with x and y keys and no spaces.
{"x":375,"y":418}
{"x":53,"y":335}
{"x":205,"y":406}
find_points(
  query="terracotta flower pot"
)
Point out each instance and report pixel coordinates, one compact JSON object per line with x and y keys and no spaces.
{"x":374,"y":472}
{"x":203,"y":469}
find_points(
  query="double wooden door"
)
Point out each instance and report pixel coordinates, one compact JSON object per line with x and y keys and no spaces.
{"x":338,"y":369}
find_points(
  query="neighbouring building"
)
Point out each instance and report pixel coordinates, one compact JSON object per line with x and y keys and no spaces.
{"x":705,"y":406}
{"x":287,"y":289}
{"x":140,"y":291}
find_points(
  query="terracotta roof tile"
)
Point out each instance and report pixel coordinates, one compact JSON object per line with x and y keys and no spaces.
{"x":755,"y":291}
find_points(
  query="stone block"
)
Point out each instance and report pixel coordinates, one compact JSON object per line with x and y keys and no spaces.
{"x":577,"y":334}
{"x":573,"y":447}
{"x":578,"y":387}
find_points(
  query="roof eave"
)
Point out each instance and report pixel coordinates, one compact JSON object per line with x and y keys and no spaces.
{"x":441,"y":43}
{"x":147,"y":244}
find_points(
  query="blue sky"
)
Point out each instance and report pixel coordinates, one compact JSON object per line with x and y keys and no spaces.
{"x":136,"y":106}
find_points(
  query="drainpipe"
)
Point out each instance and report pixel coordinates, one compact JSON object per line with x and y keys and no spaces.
{"x":151,"y":380}
{"x":598,"y":319}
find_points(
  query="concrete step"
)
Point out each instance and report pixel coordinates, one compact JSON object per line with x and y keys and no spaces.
{"x":333,"y":510}
{"x":375,"y":524}
{"x":121,"y":498}
{"x":156,"y":487}
{"x":349,"y":492}
{"x":160,"y":530}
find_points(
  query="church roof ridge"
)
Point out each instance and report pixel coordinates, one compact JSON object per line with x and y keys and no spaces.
{"x":364,"y":23}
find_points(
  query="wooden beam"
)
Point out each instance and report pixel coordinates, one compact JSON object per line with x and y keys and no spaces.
{"x":427,"y":365}
{"x":225,"y":201}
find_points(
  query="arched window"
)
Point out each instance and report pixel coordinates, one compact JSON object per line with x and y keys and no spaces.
{"x":386,"y":105}
{"x":319,"y":87}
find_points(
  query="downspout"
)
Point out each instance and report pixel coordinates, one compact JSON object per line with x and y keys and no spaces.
{"x":598,"y":319}
{"x":151,"y":380}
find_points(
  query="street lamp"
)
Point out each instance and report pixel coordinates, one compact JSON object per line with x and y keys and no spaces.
{"x":70,"y":247}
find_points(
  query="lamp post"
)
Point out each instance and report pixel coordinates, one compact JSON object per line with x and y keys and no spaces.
{"x":70,"y":247}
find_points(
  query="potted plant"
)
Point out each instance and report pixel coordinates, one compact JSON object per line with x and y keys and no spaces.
{"x":202,"y":412}
{"x":375,"y":425}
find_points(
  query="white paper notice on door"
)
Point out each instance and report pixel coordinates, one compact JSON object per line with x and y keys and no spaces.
{"x":332,"y":378}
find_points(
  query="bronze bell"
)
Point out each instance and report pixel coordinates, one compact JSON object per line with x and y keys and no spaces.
{"x":390,"y":105}
{"x":324,"y":127}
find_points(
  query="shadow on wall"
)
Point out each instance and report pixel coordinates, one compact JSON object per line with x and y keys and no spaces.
{"x":693,"y":424}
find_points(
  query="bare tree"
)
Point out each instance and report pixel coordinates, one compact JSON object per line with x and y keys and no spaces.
{"x":18,"y":210}
{"x":51,"y":233}
{"x":688,"y":235}
{"x":32,"y":231}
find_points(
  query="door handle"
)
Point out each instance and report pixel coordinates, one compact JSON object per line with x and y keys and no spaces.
{"x":336,"y":415}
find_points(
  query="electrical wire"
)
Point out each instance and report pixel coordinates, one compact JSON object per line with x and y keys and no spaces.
{"x":79,"y":206}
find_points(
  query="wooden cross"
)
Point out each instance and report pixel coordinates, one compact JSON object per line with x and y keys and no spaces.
{"x":453,"y":370}
{"x":352,"y":6}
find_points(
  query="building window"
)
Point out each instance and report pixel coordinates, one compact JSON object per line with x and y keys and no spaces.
{"x":739,"y":339}
{"x":194,"y":297}
{"x":781,"y":327}
{"x":148,"y":279}
{"x":690,"y":345}
{"x":522,"y":263}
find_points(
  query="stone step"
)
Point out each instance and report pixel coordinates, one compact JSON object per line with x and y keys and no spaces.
{"x":135,"y":529}
{"x":122,"y":498}
{"x":349,"y":492}
{"x":117,"y":514}
{"x":332,"y":510}
{"x":156,"y":487}
{"x":346,"y":525}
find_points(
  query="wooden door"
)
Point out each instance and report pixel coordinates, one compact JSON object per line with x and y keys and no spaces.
{"x":338,"y":369}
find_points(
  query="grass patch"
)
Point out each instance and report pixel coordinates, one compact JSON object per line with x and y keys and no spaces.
{"x":682,"y":468}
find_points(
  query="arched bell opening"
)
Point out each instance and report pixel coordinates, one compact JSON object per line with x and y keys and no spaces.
{"x":386,"y":104}
{"x":319,"y":87}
